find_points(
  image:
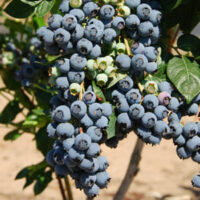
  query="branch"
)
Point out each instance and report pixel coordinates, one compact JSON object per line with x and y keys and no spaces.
{"x":132,"y":170}
{"x":68,"y":188}
{"x":62,"y":191}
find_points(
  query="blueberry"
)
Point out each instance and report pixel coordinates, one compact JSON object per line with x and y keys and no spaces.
{"x":95,"y":52}
{"x":77,"y":61}
{"x":93,"y":150}
{"x":28,"y":71}
{"x":132,"y":21}
{"x":87,"y":180}
{"x":173,"y":104}
{"x":161,"y":112}
{"x":84,"y":46}
{"x":122,"y":105}
{"x":145,"y":29}
{"x":97,"y":23}
{"x":149,"y":120}
{"x":95,"y":110}
{"x":63,"y":65}
{"x":137,"y":48}
{"x":155,"y":17}
{"x":103,"y":163}
{"x":86,"y":164}
{"x":75,"y":155}
{"x":193,"y":109}
{"x":65,"y":130}
{"x":133,"y":3}
{"x":146,"y":41}
{"x":68,"y":162}
{"x":76,"y":77}
{"x":90,"y":9}
{"x":86,"y":121}
{"x":61,"y":114}
{"x":151,"y":67}
{"x":176,"y":129}
{"x":123,"y":62}
{"x":94,"y":33}
{"x":139,"y":62}
{"x":196,"y":156}
{"x":154,"y":139}
{"x":107,"y":12}
{"x":69,"y":22}
{"x":82,"y":141}
{"x":77,"y":33}
{"x":183,"y":153}
{"x":107,"y":109}
{"x":103,"y":179}
{"x":116,"y":95}
{"x":150,"y":101}
{"x":92,"y":192}
{"x":102,"y":122}
{"x":55,"y":21}
{"x":133,"y":96}
{"x":95,"y":133}
{"x":51,"y":130}
{"x":144,"y":11}
{"x":161,"y":128}
{"x":151,"y":53}
{"x":62,"y":36}
{"x":165,"y":87}
{"x":196,"y":181}
{"x":68,"y":143}
{"x":124,"y":121}
{"x":143,"y":132}
{"x":61,"y":170}
{"x":89,"y":97}
{"x":136,"y":111}
{"x":78,"y":109}
{"x":118,"y":23}
{"x":78,"y":13}
{"x":125,"y":84}
{"x":58,"y":155}
{"x":49,"y":158}
{"x":193,"y":143}
{"x":180,"y":140}
{"x":109,"y":35}
{"x":62,"y":83}
{"x":64,"y":6}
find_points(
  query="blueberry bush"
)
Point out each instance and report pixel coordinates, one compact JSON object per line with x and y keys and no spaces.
{"x":88,"y":72}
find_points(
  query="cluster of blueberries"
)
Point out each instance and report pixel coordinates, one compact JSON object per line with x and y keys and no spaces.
{"x":76,"y":150}
{"x":79,"y":121}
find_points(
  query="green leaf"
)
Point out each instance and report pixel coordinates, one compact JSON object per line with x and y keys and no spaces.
{"x":160,"y":75}
{"x":23,"y":99}
{"x":42,"y":182}
{"x":18,"y":9}
{"x":38,"y":22}
{"x":43,"y":142}
{"x":44,"y":7}
{"x":98,"y":92}
{"x":188,"y":42}
{"x":12,"y":135}
{"x":9,"y":112}
{"x":185,"y":75}
{"x":31,"y":2}
{"x":42,"y":98}
{"x":116,"y":79}
{"x":111,"y":126}
{"x":30,"y":121}
{"x":56,"y":6}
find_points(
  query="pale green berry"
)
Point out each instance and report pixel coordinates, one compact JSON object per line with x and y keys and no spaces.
{"x":91,"y":65}
{"x":121,"y":48}
{"x":151,"y":87}
{"x":109,"y":60}
{"x":124,"y":11}
{"x":75,"y":3}
{"x":102,"y":79}
{"x":8,"y":58}
{"x":102,"y":63}
{"x":114,"y":45}
{"x":111,"y":71}
{"x":55,"y":72}
{"x":75,"y":89}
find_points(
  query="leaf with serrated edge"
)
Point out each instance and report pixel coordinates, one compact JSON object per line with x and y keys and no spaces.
{"x":97,"y":90}
{"x":185,"y":75}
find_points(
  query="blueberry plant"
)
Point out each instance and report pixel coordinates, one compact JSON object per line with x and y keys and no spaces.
{"x":92,"y":71}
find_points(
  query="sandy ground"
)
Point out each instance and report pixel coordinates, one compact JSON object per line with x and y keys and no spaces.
{"x":161,"y":171}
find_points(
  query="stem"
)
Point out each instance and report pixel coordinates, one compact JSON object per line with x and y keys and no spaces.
{"x":132,"y":170}
{"x":68,"y":188}
{"x":127,"y":46}
{"x":3,"y":4}
{"x":61,"y":188}
{"x":43,"y":89}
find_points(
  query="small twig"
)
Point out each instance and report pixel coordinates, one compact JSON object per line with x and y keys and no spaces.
{"x":132,"y":170}
{"x":43,"y":89}
{"x":81,"y":92}
{"x":68,"y":188}
{"x":127,"y":46}
{"x":62,"y":191}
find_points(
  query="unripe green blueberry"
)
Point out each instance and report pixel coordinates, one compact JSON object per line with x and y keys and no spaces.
{"x":102,"y":79}
{"x":121,"y":48}
{"x":151,"y":87}
{"x":91,"y":65}
{"x":76,"y":3}
{"x":124,"y":11}
{"x":102,"y":63}
{"x":111,"y":71}
{"x":109,"y":60}
{"x":75,"y":89}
